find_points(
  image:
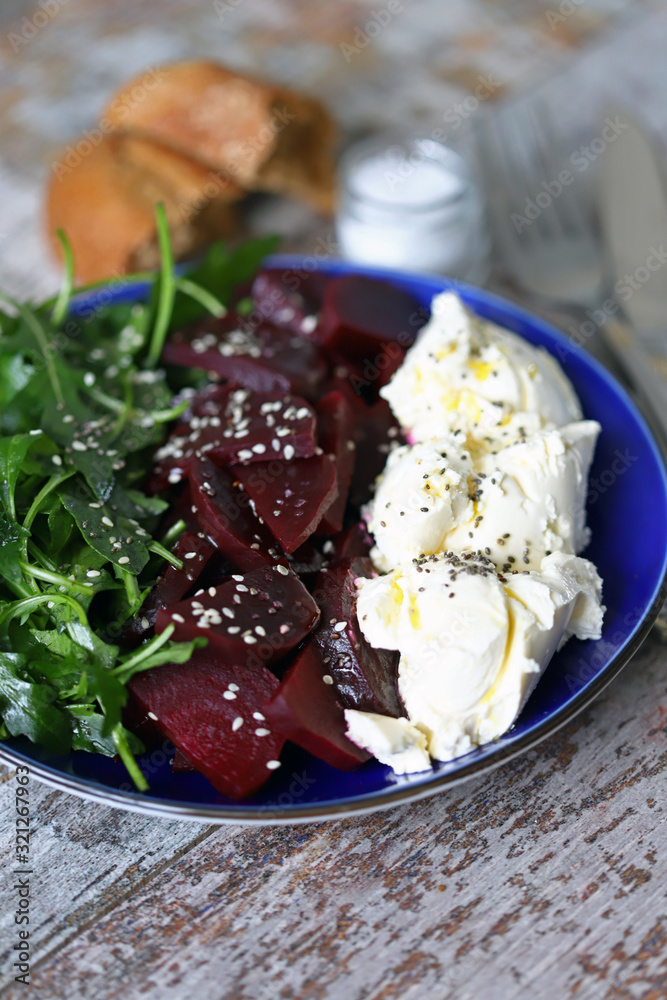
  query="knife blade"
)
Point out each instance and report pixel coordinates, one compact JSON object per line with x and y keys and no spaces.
{"x":633,"y":218}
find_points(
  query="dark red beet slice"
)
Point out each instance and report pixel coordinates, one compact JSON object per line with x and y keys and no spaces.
{"x":224,"y":513}
{"x":336,"y":426}
{"x":359,"y":315}
{"x":287,"y":298}
{"x":251,"y":619}
{"x":236,"y":425}
{"x":308,"y":559}
{"x":260,"y":357}
{"x":307,"y":711}
{"x":291,"y":497}
{"x":195,"y":550}
{"x":374,"y":437}
{"x":354,"y":541}
{"x":365,"y":678}
{"x":197,"y":705}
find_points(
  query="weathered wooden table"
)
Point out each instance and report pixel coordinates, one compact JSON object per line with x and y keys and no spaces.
{"x":546,"y":879}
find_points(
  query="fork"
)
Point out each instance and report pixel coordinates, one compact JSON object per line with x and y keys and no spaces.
{"x":546,"y":240}
{"x":543,"y":228}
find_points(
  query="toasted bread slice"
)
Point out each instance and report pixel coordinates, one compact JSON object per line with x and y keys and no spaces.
{"x":106,"y":205}
{"x":265,"y":137}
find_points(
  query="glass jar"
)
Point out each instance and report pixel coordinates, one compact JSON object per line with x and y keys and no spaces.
{"x":412,"y":203}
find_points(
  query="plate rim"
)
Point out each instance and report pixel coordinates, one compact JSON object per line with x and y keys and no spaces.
{"x":259,"y":815}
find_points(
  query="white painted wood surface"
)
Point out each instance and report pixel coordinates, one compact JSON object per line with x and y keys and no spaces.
{"x":544,"y":881}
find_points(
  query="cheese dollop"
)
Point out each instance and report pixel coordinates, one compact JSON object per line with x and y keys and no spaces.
{"x":468,"y":374}
{"x":473,"y":642}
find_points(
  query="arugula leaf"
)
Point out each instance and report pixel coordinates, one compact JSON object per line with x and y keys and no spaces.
{"x":107,"y":532}
{"x":174,"y":652}
{"x":14,"y":537}
{"x":13,"y":451}
{"x":28,"y":708}
{"x":88,"y":733}
{"x":110,"y":692}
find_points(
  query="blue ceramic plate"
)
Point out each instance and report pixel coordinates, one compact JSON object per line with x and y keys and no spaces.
{"x":628,"y":515}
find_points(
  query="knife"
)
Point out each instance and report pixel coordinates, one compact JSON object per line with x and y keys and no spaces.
{"x":633,"y":217}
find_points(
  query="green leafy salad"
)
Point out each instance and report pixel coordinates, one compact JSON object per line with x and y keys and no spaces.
{"x":83,"y":406}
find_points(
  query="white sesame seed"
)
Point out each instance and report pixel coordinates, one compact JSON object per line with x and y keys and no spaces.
{"x":284,"y":629}
{"x":79,"y":446}
{"x":89,"y":379}
{"x":153,"y":716}
{"x":56,"y":459}
{"x":212,"y":591}
{"x":145,"y":623}
{"x":233,"y":687}
{"x":237,"y":723}
{"x":179,"y":618}
{"x":250,"y":639}
{"x":328,"y":679}
{"x":107,"y":521}
{"x":259,"y":716}
{"x":123,"y":561}
{"x":234,"y":629}
{"x":190,"y":555}
{"x":229,"y":695}
{"x":239,"y":579}
{"x":283,"y":570}
{"x":92,"y":573}
{"x":262,"y":732}
{"x":260,"y":630}
{"x":228,"y":612}
{"x":244,"y":454}
{"x":273,"y":764}
{"x":241,"y":587}
{"x":289,"y":451}
{"x":340,"y":626}
{"x":259,"y":449}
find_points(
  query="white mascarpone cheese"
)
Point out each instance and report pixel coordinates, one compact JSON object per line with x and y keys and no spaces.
{"x":464,"y":373}
{"x":395,"y":742}
{"x":421,"y":496}
{"x":474,"y":642}
{"x":515,"y":505}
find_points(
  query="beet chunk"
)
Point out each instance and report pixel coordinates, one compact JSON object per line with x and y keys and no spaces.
{"x":291,"y":497}
{"x":288,"y":299}
{"x":307,"y":711}
{"x":250,"y":619}
{"x":260,"y":357}
{"x":336,"y":424}
{"x":365,"y":678}
{"x":354,"y":541}
{"x":223,"y":512}
{"x":195,"y":551}
{"x":374,"y":436}
{"x":360,"y":315}
{"x":198,"y":705}
{"x":236,"y":425}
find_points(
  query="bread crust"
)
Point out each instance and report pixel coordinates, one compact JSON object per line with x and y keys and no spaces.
{"x":266,"y":137}
{"x":106,"y":206}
